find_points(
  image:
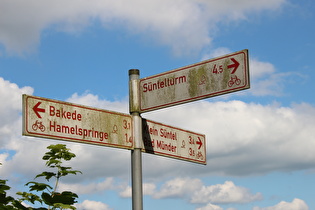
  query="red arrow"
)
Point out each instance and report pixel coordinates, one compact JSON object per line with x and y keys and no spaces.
{"x":36,"y":109}
{"x":235,"y":65}
{"x":199,"y":142}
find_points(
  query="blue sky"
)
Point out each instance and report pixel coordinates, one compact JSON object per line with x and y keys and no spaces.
{"x":260,"y":141}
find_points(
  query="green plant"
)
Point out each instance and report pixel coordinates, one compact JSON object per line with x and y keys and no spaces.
{"x":48,"y":194}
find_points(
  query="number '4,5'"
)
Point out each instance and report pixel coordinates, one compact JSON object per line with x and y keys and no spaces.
{"x":217,"y":69}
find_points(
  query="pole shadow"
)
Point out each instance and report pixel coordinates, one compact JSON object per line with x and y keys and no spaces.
{"x":148,"y":142}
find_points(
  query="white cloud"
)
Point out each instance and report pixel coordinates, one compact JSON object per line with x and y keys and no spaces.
{"x":178,"y":187}
{"x":216,"y":53}
{"x":11,"y":100}
{"x":170,"y":23}
{"x":97,"y":162}
{"x":210,"y":206}
{"x":127,"y":192}
{"x":260,"y":69}
{"x":3,"y":157}
{"x":194,"y":191}
{"x":107,"y":184}
{"x":295,"y":204}
{"x":19,"y":153}
{"x":224,"y":193}
{"x":89,"y":99}
{"x":239,"y":135}
{"x":92,"y":205}
{"x":148,"y":189}
{"x":265,"y":79}
{"x":10,"y":111}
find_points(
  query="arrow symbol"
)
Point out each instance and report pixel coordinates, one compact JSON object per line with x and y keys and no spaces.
{"x":199,"y":142}
{"x":37,"y":109}
{"x":235,"y":65}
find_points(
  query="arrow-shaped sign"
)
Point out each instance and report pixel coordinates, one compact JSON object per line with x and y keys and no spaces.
{"x":199,"y":142}
{"x":195,"y":82}
{"x":235,"y":65}
{"x":169,"y":141}
{"x":37,"y":109}
{"x":76,"y":123}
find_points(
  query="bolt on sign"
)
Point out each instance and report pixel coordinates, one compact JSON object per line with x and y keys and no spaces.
{"x":60,"y":120}
{"x":173,"y":142}
{"x":205,"y":79}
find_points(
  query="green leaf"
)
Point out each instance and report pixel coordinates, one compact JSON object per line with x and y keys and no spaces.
{"x":3,"y":186}
{"x":5,"y":199}
{"x":47,"y":199}
{"x":47,"y":175}
{"x":57,"y":153}
{"x":30,"y":197}
{"x":66,"y":170}
{"x":38,"y":186}
{"x":53,"y":163}
{"x":65,"y":197}
{"x":64,"y":206}
{"x":19,"y":206}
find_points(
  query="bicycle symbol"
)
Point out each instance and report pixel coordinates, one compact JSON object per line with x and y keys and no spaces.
{"x":234,"y":80}
{"x":38,"y":125}
{"x":199,"y":155}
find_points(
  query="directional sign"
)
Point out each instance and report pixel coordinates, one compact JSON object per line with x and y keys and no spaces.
{"x":205,"y":79}
{"x":173,"y":142}
{"x":60,"y":120}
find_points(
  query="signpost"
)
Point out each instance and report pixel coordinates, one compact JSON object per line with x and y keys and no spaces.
{"x":205,"y":79}
{"x":173,"y":142}
{"x":60,"y":120}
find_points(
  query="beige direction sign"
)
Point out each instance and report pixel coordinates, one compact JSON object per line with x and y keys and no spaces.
{"x":205,"y":79}
{"x":173,"y":142}
{"x":60,"y":120}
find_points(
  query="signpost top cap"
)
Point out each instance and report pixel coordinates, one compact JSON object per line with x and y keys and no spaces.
{"x":134,"y":71}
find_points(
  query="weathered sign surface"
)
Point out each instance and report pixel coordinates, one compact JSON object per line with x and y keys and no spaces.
{"x":205,"y":79}
{"x":60,"y":120}
{"x":173,"y":142}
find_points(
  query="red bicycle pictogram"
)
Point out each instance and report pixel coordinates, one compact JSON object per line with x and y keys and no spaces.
{"x":234,"y":80}
{"x":38,"y":125}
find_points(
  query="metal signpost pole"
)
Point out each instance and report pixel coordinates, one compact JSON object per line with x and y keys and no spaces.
{"x":136,"y":155}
